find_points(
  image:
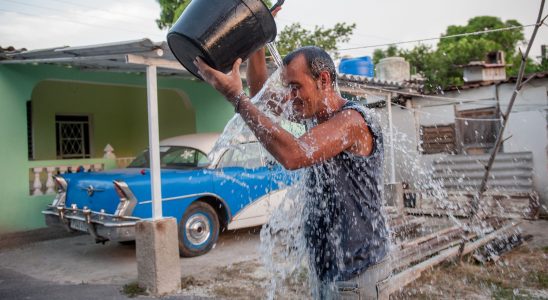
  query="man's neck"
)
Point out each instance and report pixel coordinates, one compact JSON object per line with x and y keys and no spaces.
{"x":333,"y":104}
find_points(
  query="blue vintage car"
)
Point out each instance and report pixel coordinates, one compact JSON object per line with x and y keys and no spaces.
{"x":239,"y":188}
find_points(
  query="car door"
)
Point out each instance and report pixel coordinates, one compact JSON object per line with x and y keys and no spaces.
{"x":244,"y":182}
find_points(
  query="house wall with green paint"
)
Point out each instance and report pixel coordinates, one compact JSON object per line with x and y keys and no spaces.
{"x":48,"y":85}
{"x":117,"y":114}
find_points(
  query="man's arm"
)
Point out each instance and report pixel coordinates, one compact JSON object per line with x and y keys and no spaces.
{"x":343,"y":131}
{"x":257,"y":72}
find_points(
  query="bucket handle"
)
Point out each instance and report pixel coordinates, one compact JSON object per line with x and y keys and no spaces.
{"x":278,"y":4}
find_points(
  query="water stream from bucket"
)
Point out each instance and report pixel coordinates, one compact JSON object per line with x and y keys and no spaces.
{"x":283,"y":244}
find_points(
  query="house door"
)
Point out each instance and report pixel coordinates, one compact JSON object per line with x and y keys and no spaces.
{"x":477,"y":130}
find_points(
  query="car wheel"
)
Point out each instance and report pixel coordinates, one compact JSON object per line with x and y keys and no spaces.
{"x":198,"y":230}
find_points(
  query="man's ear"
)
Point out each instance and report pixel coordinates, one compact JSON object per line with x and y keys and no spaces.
{"x":325,"y":79}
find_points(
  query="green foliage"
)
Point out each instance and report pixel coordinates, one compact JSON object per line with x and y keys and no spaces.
{"x":133,"y":290}
{"x":295,"y":36}
{"x":172,"y":9}
{"x":170,"y":12}
{"x":440,"y":66}
{"x":379,"y":54}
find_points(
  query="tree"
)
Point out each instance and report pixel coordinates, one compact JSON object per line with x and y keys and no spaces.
{"x":290,"y":38}
{"x":440,"y":66}
{"x":295,"y":36}
{"x":170,"y":12}
{"x":379,"y":54}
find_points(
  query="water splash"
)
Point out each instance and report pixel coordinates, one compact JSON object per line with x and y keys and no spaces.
{"x":283,"y":244}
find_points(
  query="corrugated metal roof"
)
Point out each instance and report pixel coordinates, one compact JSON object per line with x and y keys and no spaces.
{"x":380,"y":83}
{"x":488,"y":83}
{"x":105,"y":57}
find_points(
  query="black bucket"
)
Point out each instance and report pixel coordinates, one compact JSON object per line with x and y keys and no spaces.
{"x":220,"y":31}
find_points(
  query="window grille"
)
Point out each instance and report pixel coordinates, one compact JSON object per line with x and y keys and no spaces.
{"x":73,"y":138}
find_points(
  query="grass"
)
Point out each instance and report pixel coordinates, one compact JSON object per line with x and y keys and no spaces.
{"x":504,"y":293}
{"x":133,"y":290}
{"x":541,"y":279}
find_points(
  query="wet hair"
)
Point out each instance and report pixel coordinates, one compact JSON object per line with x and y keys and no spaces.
{"x":317,"y":61}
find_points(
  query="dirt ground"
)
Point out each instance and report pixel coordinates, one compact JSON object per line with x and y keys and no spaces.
{"x":234,"y":270}
{"x":521,"y":273}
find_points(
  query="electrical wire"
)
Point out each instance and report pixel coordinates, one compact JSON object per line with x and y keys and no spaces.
{"x":456,"y":118}
{"x":311,"y":27}
{"x":75,"y":22}
{"x":446,"y":99}
{"x":439,"y":38}
{"x":108,"y":11}
{"x":66,"y":12}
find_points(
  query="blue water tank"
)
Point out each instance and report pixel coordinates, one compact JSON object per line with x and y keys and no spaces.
{"x":357,"y":66}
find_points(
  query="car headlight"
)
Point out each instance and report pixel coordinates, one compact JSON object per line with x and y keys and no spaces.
{"x":127,"y":199}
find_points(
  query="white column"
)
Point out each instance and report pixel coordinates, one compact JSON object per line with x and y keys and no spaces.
{"x":154,"y":142}
{"x":37,"y":184}
{"x":49,"y":183}
{"x":392,"y":158}
{"x":109,"y":152}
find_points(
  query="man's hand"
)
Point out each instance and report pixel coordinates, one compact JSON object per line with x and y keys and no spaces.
{"x":230,"y":85}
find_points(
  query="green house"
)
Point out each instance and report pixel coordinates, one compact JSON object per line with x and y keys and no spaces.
{"x":68,"y":107}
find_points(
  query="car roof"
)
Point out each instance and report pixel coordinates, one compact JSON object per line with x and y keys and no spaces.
{"x":201,"y":141}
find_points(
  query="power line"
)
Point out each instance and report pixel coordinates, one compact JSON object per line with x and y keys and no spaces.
{"x":75,"y":22}
{"x":542,"y":108}
{"x":440,"y":38}
{"x":310,"y":26}
{"x":65,"y":12}
{"x":446,"y":99}
{"x":105,"y":10}
{"x":451,"y":100}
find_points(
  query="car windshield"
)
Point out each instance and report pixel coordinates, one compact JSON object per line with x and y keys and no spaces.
{"x":173,"y":157}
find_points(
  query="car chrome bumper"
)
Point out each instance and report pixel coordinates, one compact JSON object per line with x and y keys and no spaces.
{"x":103,"y":227}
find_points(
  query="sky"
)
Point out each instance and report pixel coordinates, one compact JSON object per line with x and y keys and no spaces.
{"x":39,"y":24}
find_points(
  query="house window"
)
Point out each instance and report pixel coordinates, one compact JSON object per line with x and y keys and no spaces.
{"x":437,"y":139}
{"x":73,"y":138}
{"x":476,"y":133}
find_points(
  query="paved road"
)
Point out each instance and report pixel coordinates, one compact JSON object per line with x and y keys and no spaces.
{"x":75,"y":267}
{"x":14,"y":285}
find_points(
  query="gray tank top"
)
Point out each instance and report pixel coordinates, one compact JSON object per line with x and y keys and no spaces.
{"x":344,"y":227}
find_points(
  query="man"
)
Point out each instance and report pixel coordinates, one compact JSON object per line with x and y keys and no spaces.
{"x":345,"y":230}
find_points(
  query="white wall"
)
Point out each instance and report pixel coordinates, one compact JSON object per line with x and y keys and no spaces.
{"x":527,"y":125}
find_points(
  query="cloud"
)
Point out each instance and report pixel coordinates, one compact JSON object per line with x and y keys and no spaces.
{"x":36,"y":27}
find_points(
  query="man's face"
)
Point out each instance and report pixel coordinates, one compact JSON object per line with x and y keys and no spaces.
{"x":305,"y":92}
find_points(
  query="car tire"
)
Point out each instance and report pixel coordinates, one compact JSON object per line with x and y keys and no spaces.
{"x":198,"y":230}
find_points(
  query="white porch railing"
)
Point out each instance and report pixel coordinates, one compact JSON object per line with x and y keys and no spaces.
{"x":41,"y":178}
{"x":122,"y":162}
{"x":41,"y":172}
